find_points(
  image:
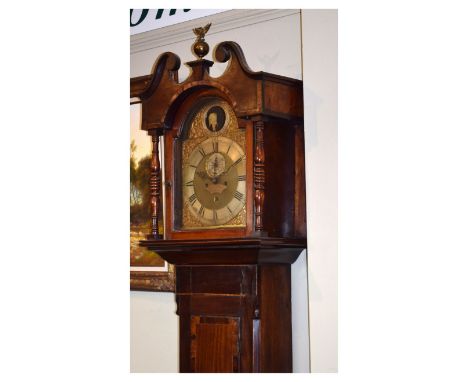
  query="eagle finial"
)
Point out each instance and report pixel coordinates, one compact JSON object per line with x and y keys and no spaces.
{"x":201,"y":31}
{"x":200,"y":47}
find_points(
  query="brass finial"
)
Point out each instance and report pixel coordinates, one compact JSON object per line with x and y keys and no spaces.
{"x":200,"y":48}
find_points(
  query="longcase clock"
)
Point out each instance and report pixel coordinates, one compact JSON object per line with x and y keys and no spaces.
{"x":231,"y":194}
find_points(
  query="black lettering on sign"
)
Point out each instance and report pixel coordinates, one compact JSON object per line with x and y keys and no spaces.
{"x":159,"y":13}
{"x":144,"y":13}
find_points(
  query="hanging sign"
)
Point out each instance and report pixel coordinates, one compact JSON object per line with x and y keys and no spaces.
{"x":143,"y":20}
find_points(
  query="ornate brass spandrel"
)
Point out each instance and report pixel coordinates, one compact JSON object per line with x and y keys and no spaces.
{"x":240,"y":219}
{"x":190,"y":222}
{"x":188,"y":146}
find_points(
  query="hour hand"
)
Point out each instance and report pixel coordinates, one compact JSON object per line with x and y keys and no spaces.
{"x":202,"y":175}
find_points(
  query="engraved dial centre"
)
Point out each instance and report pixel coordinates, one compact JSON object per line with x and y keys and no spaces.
{"x":215,"y":165}
{"x":215,"y":181}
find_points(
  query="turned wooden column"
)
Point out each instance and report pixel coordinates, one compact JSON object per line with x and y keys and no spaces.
{"x":155,"y":186}
{"x":259,"y":175}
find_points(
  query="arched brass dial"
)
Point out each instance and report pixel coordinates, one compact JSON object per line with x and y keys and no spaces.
{"x":214,"y":181}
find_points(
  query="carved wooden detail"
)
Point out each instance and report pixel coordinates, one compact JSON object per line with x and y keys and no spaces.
{"x":155,"y":188}
{"x":259,"y":175}
{"x":239,"y":83}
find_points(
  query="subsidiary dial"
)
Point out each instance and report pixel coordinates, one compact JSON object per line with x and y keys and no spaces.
{"x":215,"y":165}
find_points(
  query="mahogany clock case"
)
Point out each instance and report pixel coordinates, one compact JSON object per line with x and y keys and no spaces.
{"x":233,"y":283}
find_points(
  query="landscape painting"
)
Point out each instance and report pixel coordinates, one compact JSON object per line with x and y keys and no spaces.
{"x":148,"y":271}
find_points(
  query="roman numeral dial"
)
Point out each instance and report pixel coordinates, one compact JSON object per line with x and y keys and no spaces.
{"x":214,"y":181}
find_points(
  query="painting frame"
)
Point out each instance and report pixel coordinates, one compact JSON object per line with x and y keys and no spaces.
{"x":153,"y":281}
{"x":146,"y":274}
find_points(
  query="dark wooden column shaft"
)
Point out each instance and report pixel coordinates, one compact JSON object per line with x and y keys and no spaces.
{"x":259,"y":175}
{"x":155,"y":187}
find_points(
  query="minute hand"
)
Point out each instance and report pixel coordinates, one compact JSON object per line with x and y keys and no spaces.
{"x":233,"y":164}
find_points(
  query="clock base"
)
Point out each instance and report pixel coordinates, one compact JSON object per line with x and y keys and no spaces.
{"x":234,"y":302}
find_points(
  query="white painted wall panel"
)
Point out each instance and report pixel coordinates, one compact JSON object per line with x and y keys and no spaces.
{"x":154,"y":328}
{"x":320,"y":50}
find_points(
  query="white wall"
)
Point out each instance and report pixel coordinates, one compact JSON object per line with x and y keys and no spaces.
{"x":271,"y":41}
{"x":299,"y":319}
{"x":320,"y":50}
{"x":154,"y":328}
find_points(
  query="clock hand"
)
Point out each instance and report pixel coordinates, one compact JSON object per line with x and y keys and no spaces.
{"x":203,"y":175}
{"x":216,"y":178}
{"x":232,"y":165}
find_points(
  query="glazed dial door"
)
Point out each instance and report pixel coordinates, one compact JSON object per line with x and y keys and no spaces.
{"x":213,"y":174}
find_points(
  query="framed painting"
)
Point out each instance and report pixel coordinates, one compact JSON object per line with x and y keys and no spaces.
{"x":148,"y":271}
